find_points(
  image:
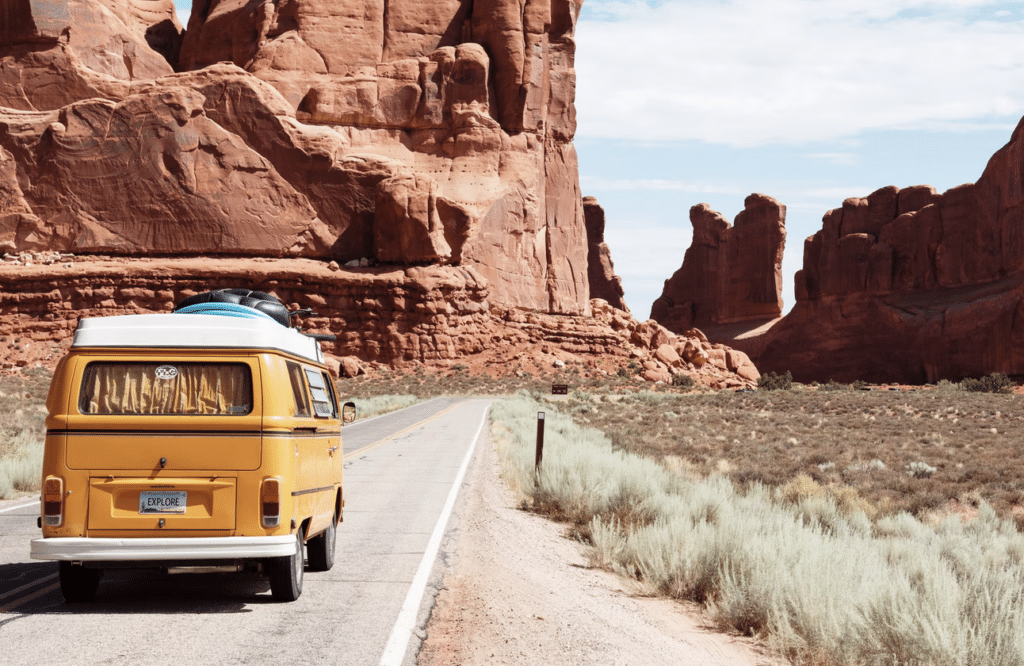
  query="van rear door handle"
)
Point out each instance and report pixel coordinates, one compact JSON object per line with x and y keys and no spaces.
{"x":332,"y":450}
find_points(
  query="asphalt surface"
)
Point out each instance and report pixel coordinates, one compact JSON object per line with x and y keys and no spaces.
{"x":399,"y":473}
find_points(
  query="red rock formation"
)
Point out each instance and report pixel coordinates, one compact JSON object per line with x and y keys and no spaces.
{"x":730,"y":274}
{"x":393,"y":316}
{"x":57,"y":52}
{"x":604,"y":283}
{"x":911,"y":285}
{"x":441,"y":133}
{"x":463,"y":111}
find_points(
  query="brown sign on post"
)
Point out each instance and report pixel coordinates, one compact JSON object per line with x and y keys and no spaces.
{"x":559,"y":389}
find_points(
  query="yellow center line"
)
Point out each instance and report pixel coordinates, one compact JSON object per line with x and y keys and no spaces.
{"x":27,"y":598}
{"x":402,"y":432}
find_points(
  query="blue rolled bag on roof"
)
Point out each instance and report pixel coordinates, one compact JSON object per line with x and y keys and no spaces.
{"x":236,"y":303}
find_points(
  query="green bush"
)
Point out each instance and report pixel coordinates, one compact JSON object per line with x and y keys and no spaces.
{"x":833,"y":385}
{"x":683,"y":381}
{"x":773,"y":382}
{"x":997,"y":382}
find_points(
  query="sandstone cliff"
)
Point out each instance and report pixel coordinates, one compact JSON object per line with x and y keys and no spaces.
{"x":604,"y":283}
{"x":912,"y":285}
{"x":408,"y":132}
{"x":731,"y":274}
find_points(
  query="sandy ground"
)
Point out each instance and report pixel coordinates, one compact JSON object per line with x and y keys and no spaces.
{"x":515,"y":591}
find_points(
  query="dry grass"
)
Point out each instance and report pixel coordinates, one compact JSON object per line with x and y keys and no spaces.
{"x":924,"y":451}
{"x":22,"y":430}
{"x":816,"y":578}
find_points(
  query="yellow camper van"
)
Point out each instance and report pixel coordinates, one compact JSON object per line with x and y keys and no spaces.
{"x":204,"y":439}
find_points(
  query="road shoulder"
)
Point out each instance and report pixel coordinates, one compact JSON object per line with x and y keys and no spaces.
{"x":515,"y":591}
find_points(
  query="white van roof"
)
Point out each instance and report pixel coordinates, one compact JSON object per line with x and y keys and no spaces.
{"x":192,"y":331}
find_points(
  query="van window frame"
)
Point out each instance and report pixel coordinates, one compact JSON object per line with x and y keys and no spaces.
{"x":300,"y":394}
{"x":331,"y":410}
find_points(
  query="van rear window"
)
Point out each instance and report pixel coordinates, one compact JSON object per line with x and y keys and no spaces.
{"x":166,"y":388}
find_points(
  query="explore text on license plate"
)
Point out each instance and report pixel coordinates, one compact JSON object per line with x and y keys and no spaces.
{"x":162,"y":501}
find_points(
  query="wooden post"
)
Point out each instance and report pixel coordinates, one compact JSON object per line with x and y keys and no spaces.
{"x":540,"y":441}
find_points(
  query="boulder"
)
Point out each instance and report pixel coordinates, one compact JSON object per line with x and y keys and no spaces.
{"x":667,"y":355}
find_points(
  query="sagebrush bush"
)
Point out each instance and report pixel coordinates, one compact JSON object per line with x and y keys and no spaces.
{"x":773,"y":382}
{"x":21,"y":464}
{"x":821,"y":581}
{"x":994,"y":383}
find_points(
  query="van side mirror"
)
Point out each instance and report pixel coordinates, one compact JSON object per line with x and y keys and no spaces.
{"x":348,"y":412}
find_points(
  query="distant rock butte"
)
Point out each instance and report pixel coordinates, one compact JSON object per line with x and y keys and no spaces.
{"x":907,"y":286}
{"x":604,"y":283}
{"x":731,"y":274}
{"x":407,"y":132}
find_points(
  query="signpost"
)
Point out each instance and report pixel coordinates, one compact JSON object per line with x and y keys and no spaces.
{"x":540,"y":442}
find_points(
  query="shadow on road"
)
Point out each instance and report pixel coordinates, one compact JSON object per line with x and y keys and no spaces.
{"x":135,"y":591}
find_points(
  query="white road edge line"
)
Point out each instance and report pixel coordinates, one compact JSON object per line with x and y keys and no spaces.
{"x":401,"y":634}
{"x":20,"y":506}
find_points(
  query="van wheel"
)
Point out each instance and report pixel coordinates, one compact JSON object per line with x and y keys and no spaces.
{"x":321,"y":548}
{"x":286,"y":574}
{"x":77,"y":583}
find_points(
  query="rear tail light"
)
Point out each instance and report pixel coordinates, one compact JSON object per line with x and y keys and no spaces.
{"x":53,"y":501}
{"x":270,"y":502}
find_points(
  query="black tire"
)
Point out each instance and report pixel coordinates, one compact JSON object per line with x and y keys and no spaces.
{"x":286,"y":574}
{"x":320,"y":548}
{"x":257,"y":300}
{"x":78,"y":584}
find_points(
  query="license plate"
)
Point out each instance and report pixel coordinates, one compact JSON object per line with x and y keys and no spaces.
{"x":163,"y":501}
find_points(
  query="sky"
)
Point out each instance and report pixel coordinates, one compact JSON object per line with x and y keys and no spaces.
{"x":681,"y":102}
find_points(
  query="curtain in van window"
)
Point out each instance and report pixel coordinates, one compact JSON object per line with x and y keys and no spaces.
{"x":166,"y":388}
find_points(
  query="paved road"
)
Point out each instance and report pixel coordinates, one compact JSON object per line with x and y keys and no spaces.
{"x":400,"y":470}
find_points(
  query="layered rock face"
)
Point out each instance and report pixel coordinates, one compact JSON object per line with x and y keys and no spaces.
{"x":391,"y":316}
{"x":463,"y":112}
{"x":604,"y":283}
{"x":911,"y":285}
{"x":731,"y":273}
{"x":403,"y":132}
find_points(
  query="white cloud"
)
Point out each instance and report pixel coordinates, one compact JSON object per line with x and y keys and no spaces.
{"x":756,"y":72}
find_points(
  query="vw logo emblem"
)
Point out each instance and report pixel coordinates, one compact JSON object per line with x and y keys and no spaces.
{"x":166,"y":372}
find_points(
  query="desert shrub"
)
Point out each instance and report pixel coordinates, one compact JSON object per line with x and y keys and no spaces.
{"x":810,"y":571}
{"x":683,"y":381}
{"x":21,"y":464}
{"x":624,"y":373}
{"x":773,"y":382}
{"x":920,"y":470}
{"x":859,"y":385}
{"x":832,"y":385}
{"x":946,"y":386}
{"x":997,"y":382}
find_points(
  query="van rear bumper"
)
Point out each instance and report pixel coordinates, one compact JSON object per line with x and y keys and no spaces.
{"x":87,"y":549}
